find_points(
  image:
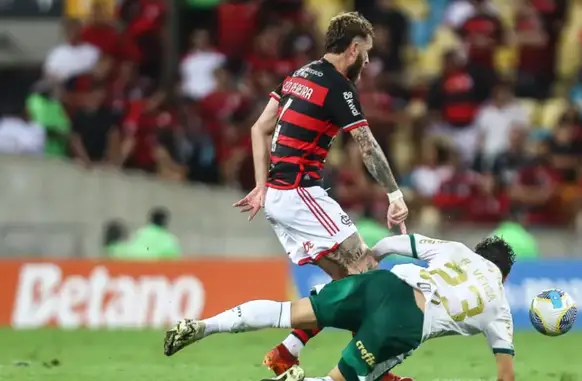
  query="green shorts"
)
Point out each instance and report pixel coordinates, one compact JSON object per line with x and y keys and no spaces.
{"x":380,"y":308}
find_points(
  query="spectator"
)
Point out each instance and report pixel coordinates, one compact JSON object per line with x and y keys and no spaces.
{"x":73,"y":57}
{"x":467,"y":196}
{"x":454,"y":100}
{"x":219,"y":107}
{"x":275,"y":11}
{"x":381,"y":73}
{"x":126,"y":87}
{"x":265,"y":55}
{"x":460,"y":11}
{"x":234,"y":147}
{"x":426,"y":179}
{"x":553,"y":14}
{"x":482,"y":33}
{"x":197,"y":150}
{"x":497,"y":118}
{"x":145,"y":20}
{"x":489,"y":202}
{"x":507,"y":164}
{"x":115,"y":237}
{"x":394,"y":22}
{"x":351,"y":186}
{"x":536,"y":57}
{"x":198,"y":67}
{"x":19,"y":136}
{"x":382,"y":111}
{"x":301,"y":44}
{"x":201,"y":161}
{"x":453,"y":196}
{"x":154,"y":241}
{"x":148,"y":142}
{"x":74,"y":87}
{"x":566,"y":151}
{"x":44,"y":108}
{"x":255,"y":85}
{"x":237,"y":23}
{"x":96,"y":136}
{"x":380,"y":53}
{"x":535,"y":192}
{"x":100,"y":31}
{"x":127,"y":48}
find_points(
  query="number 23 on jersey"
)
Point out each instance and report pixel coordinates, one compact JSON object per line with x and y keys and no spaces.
{"x":459,"y":279}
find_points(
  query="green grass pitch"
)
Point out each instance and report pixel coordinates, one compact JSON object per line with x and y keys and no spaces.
{"x":137,"y":356}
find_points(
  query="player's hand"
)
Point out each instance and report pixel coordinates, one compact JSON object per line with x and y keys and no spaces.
{"x":397,"y":213}
{"x":253,"y":202}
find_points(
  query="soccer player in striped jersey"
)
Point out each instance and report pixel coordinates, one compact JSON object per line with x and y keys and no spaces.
{"x":291,"y":140}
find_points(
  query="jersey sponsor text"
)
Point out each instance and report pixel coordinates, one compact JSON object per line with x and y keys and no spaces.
{"x":305,"y":90}
{"x":368,"y":357}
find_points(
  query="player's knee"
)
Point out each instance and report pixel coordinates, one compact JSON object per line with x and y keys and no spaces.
{"x":336,"y":375}
{"x":372,"y":262}
{"x":302,"y":314}
{"x":366,"y":263}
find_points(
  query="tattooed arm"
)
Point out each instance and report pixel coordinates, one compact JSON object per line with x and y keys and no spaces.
{"x":374,"y":158}
{"x":346,"y":111}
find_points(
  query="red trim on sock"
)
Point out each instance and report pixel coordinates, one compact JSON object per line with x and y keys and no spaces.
{"x":315,"y":331}
{"x":301,"y":335}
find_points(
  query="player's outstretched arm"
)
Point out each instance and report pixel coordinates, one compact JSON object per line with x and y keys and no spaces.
{"x":378,"y":166}
{"x":249,"y":316}
{"x":505,"y":370}
{"x":261,"y":135}
{"x":499,"y":335}
{"x":374,"y":158}
{"x":413,"y":245}
{"x":343,"y":104}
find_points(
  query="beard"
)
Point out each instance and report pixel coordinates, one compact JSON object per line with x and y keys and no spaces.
{"x":355,"y":70}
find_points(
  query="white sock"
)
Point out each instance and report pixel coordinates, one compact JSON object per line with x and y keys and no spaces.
{"x":250,"y":316}
{"x":293,"y":345}
{"x":292,"y":342}
{"x":326,"y":378}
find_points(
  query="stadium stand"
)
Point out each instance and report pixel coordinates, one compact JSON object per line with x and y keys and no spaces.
{"x":192,"y":123}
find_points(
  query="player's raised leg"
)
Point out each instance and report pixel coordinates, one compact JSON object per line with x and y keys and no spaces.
{"x":338,"y":302}
{"x":388,"y":324}
{"x":351,"y":256}
{"x":249,"y":316}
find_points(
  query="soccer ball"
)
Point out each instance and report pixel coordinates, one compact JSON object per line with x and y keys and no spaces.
{"x":553,"y":312}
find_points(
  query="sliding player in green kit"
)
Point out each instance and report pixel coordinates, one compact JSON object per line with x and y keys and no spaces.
{"x":392,"y":312}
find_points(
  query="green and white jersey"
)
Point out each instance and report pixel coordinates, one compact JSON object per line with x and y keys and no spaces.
{"x":464,"y":291}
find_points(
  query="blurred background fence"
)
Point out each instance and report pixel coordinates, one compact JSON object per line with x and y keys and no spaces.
{"x":124,"y":135}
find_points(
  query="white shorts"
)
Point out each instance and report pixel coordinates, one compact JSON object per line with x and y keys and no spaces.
{"x":308,"y":222}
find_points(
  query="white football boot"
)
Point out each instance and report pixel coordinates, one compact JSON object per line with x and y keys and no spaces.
{"x":184,"y":333}
{"x":295,"y":373}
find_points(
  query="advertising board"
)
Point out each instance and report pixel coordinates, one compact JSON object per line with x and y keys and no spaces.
{"x":127,"y":294}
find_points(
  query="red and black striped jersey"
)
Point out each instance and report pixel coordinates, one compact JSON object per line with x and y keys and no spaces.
{"x":315,"y":103}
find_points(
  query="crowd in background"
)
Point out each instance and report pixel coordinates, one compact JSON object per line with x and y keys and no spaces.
{"x":484,"y":137}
